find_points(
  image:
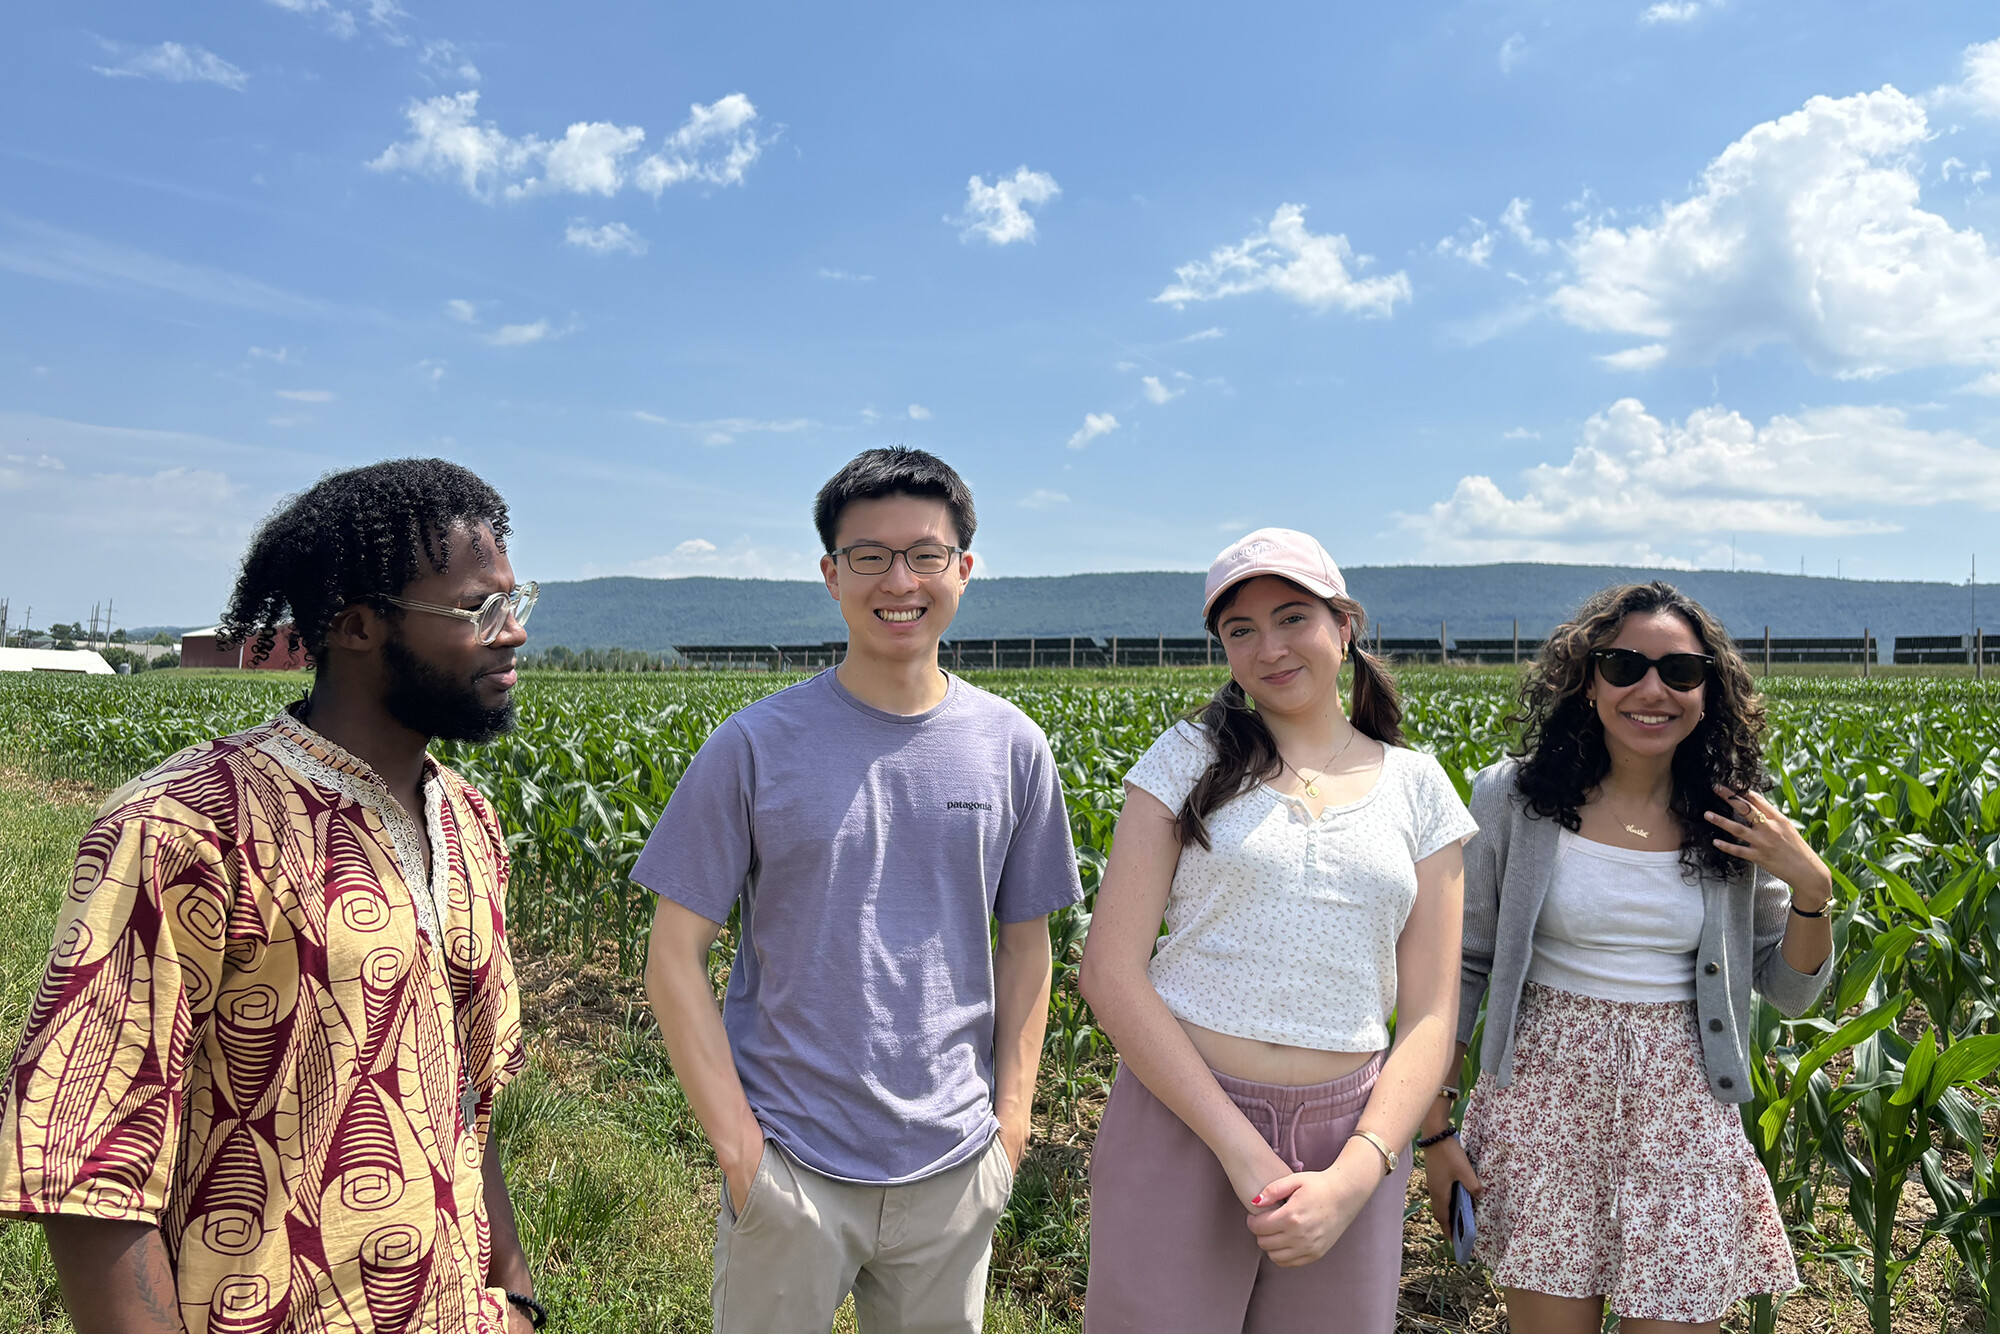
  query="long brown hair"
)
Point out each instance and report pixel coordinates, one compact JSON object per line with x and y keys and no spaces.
{"x":1246,"y":753}
{"x":1562,"y":750}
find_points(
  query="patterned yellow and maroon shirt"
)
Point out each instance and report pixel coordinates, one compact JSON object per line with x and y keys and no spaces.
{"x":270,"y":1028}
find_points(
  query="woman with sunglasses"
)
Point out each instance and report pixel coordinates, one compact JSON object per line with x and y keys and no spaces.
{"x":1251,"y":1166}
{"x":1629,"y":888}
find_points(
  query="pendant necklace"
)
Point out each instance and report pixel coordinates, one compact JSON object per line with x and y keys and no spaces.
{"x":1312,"y":785}
{"x":1630,"y":828}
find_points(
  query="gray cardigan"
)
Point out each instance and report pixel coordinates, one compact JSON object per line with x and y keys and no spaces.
{"x":1508,"y":864}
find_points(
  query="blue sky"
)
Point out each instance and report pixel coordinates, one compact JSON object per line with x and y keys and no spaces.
{"x":1639,"y":281}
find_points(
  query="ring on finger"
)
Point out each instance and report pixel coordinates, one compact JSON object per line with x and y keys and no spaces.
{"x":1758,"y":817}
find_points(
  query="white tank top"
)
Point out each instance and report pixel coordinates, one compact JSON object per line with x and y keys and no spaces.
{"x":1284,"y":929}
{"x":1617,"y":924}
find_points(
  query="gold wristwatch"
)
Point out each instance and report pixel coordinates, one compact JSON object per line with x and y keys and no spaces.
{"x":1380,"y":1146}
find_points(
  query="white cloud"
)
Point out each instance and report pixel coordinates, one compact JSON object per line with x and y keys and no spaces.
{"x":919,"y":413}
{"x":1511,"y":52}
{"x":1203,"y":335}
{"x":1970,"y":175}
{"x":84,"y":261}
{"x":724,"y":430}
{"x":610,"y":239}
{"x":517,"y":335}
{"x":999,"y":212}
{"x":445,"y":58}
{"x":1041,"y":499}
{"x":585,"y":161}
{"x":340,"y":22}
{"x":740,"y":559}
{"x":281,"y":355}
{"x":1671,"y":11}
{"x":1157,"y":392}
{"x":1094,"y":425}
{"x":174,"y":63}
{"x":1514,"y":218}
{"x":1806,"y":231}
{"x":843,"y":276}
{"x":1979,"y":89}
{"x":1473,"y":244}
{"x":1638,"y":487}
{"x":465,"y":312}
{"x":1520,"y":433}
{"x":715,"y":145}
{"x":1287,"y":259}
{"x":306,"y":395}
{"x":433,"y":370}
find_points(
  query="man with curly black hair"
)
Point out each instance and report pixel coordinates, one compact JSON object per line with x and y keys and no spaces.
{"x":255,"y":1091}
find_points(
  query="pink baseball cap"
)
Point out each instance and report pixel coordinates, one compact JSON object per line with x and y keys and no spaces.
{"x":1285,"y":552}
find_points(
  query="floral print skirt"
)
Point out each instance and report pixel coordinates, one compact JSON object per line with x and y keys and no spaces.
{"x":1611,"y":1170}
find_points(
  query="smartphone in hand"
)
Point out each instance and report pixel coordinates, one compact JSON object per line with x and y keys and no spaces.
{"x":1463,"y":1228}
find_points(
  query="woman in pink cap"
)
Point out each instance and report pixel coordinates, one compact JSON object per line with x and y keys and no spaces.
{"x":1251,"y":1166}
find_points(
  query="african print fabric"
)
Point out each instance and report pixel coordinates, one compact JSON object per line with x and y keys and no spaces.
{"x":269,"y":1028}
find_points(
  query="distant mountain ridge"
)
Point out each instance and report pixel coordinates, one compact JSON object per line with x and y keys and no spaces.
{"x":1406,"y":601}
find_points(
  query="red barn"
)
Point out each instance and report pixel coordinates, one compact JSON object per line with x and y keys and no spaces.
{"x":202,"y":648}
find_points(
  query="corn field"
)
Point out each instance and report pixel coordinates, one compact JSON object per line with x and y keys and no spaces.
{"x":1896,"y":783}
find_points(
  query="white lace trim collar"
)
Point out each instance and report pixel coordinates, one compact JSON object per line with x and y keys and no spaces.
{"x":292,"y":744}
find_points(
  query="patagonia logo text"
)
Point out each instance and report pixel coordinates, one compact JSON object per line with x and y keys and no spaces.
{"x":968,"y":805}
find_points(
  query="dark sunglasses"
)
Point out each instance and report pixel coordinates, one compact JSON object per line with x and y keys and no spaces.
{"x":1627,"y":667}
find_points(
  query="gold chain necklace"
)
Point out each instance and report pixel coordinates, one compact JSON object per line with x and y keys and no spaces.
{"x":1630,"y":828}
{"x":1312,"y":785}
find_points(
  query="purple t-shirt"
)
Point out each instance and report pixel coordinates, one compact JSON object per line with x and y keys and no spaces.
{"x":871,"y":851}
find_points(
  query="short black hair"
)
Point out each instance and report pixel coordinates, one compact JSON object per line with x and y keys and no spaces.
{"x":351,"y":537}
{"x":893,"y":471}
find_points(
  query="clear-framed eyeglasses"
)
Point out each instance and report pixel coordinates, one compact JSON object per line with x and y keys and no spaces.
{"x":489,"y":619}
{"x":923,"y":558}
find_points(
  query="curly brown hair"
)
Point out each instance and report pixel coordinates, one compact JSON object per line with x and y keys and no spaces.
{"x":1562,"y":750}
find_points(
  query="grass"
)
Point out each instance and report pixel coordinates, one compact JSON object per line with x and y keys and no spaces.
{"x":613,"y":1185}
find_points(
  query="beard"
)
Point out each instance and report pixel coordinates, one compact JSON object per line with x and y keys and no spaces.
{"x":425,"y":700}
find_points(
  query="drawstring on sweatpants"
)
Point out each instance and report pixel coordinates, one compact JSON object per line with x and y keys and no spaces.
{"x":1289,"y":1150}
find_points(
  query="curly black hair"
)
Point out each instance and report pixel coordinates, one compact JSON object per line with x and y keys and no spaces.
{"x":353,"y":536}
{"x":1562,"y":750}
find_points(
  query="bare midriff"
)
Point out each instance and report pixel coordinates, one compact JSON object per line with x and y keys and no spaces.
{"x":1272,"y":1062}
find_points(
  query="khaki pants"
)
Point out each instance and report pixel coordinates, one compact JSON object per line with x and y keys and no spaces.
{"x":913,"y":1255}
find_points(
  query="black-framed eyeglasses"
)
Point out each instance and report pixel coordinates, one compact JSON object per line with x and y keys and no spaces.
{"x":489,"y":619}
{"x":1627,"y":667}
{"x":923,"y":558}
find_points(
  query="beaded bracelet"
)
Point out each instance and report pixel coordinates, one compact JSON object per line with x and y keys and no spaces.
{"x":1438,"y":1138}
{"x":538,"y":1314}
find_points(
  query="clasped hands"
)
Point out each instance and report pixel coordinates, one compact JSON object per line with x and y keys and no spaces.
{"x":1298,"y":1216}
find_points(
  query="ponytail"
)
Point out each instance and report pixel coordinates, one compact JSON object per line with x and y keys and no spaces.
{"x":1246,"y":753}
{"x":1378,"y":705}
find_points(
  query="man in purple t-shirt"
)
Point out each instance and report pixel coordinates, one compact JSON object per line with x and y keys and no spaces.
{"x":867,"y":1085}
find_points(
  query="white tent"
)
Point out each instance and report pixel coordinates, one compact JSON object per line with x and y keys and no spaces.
{"x":82,"y":661}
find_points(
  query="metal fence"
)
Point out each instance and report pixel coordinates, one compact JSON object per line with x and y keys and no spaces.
{"x":1863,"y":650}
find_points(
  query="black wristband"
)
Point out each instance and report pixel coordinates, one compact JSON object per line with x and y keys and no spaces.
{"x":1438,"y":1138}
{"x":1803,"y":913}
{"x":538,"y":1314}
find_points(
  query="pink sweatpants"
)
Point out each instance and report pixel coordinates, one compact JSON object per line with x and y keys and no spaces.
{"x":1169,"y":1249}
